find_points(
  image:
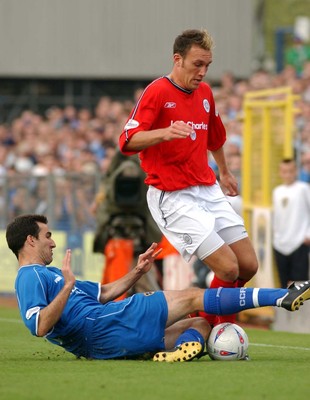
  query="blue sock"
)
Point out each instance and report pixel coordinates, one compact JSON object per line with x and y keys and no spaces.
{"x":190,"y":335}
{"x":223,"y":301}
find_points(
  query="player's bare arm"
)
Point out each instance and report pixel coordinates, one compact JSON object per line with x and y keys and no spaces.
{"x":115,"y":289}
{"x":143,"y":139}
{"x":50,"y":314}
{"x":228,"y":181}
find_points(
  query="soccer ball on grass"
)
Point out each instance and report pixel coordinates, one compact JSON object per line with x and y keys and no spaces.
{"x":227,"y":341}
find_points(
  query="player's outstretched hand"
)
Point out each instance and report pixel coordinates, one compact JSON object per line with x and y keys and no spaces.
{"x":146,"y":260}
{"x":66,"y":269}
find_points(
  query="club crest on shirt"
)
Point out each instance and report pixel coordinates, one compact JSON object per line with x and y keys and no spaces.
{"x":284,"y":201}
{"x":193,"y":135}
{"x":206,"y":105}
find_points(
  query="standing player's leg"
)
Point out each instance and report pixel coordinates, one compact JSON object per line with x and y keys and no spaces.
{"x":241,"y":263}
{"x":186,"y":222}
{"x":224,"y":263}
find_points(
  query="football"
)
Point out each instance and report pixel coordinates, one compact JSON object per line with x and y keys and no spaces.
{"x":227,"y":341}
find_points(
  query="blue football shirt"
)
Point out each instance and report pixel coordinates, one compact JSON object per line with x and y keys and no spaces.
{"x":87,"y":327}
{"x":36,"y":286}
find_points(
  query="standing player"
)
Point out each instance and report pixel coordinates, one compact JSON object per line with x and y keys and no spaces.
{"x":173,"y":125}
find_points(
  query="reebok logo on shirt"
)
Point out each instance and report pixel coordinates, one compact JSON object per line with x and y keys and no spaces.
{"x":170,"y":104}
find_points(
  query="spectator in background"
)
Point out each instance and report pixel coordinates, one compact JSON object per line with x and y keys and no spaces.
{"x":228,"y":83}
{"x":291,"y":225}
{"x":297,"y":54}
{"x":57,"y":141}
{"x":304,"y":172}
{"x":259,"y":80}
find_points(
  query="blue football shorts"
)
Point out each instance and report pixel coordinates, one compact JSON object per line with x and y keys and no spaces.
{"x":126,"y":328}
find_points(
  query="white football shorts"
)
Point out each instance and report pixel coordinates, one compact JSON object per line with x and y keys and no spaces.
{"x":196,"y":220}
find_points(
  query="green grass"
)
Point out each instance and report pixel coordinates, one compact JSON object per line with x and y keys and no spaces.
{"x":31,"y":368}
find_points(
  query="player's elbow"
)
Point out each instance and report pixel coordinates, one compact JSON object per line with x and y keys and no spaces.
{"x":41,"y":332}
{"x":43,"y":328}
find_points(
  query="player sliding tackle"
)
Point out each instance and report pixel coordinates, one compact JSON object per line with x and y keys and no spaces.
{"x":82,"y":317}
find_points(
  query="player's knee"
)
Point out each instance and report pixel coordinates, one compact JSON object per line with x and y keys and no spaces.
{"x":253,"y":268}
{"x":249,"y":269}
{"x":230,"y":275}
{"x":230,"y":272}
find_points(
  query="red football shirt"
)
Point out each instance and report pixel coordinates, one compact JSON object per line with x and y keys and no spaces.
{"x":179,"y":163}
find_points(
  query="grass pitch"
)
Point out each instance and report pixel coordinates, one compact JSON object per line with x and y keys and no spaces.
{"x":31,"y":368}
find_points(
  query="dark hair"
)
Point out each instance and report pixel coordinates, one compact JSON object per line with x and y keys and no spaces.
{"x":190,"y":37}
{"x":287,"y":160}
{"x":22,"y":226}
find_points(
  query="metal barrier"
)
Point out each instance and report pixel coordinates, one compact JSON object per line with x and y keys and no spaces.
{"x":64,"y":198}
{"x":86,"y":265}
{"x":267,"y":139}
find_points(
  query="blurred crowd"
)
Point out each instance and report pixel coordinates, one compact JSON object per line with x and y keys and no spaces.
{"x":81,"y":143}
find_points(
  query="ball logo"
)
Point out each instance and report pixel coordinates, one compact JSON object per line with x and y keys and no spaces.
{"x":219,"y":334}
{"x":226,"y":353}
{"x":241,"y":340}
{"x":220,"y":331}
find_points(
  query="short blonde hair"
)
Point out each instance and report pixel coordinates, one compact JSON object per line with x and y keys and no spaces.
{"x":190,"y":37}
